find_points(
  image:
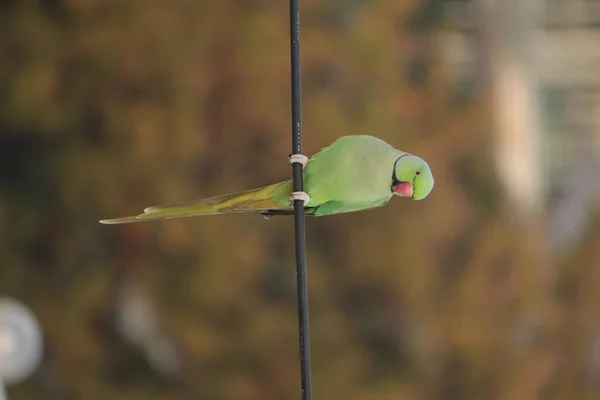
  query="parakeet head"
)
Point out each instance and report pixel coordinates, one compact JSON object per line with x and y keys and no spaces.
{"x":412,"y":177}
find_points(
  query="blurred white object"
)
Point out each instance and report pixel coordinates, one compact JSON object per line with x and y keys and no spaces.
{"x":508,"y":54}
{"x":20,"y":343}
{"x":139,"y":324}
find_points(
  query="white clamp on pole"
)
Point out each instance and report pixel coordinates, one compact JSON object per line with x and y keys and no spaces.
{"x":20,"y":343}
{"x":300,"y":159}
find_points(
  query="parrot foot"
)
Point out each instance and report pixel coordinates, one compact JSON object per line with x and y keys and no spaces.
{"x":299,"y":196}
{"x":298,"y":158}
{"x":271,"y":213}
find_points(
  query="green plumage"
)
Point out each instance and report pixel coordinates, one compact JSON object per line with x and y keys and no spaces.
{"x":354,"y":173}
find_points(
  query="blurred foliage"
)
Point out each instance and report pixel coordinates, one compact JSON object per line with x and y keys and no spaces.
{"x":110,"y":106}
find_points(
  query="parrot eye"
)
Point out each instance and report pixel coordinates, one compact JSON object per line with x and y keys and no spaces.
{"x":418,"y":173}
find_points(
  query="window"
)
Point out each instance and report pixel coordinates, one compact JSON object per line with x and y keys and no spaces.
{"x":571,"y":14}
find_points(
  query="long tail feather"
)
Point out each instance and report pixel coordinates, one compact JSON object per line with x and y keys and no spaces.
{"x":252,"y":200}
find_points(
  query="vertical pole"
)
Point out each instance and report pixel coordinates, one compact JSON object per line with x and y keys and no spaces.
{"x":303,"y":328}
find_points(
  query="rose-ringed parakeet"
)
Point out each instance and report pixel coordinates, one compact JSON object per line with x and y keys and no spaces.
{"x":354,"y":173}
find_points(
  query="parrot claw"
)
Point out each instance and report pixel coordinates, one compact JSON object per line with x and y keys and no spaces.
{"x":303,"y":196}
{"x":298,"y":158}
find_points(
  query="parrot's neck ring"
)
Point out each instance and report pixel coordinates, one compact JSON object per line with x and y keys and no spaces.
{"x":395,"y":180}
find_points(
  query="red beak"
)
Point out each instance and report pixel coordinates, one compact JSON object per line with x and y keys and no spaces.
{"x":404,"y":189}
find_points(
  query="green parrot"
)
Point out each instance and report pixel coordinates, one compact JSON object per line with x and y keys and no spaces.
{"x":354,"y":173}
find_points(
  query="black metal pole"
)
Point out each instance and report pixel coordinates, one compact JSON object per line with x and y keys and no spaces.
{"x":303,"y":328}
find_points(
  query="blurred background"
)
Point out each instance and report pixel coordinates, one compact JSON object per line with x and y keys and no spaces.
{"x":488,"y":289}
